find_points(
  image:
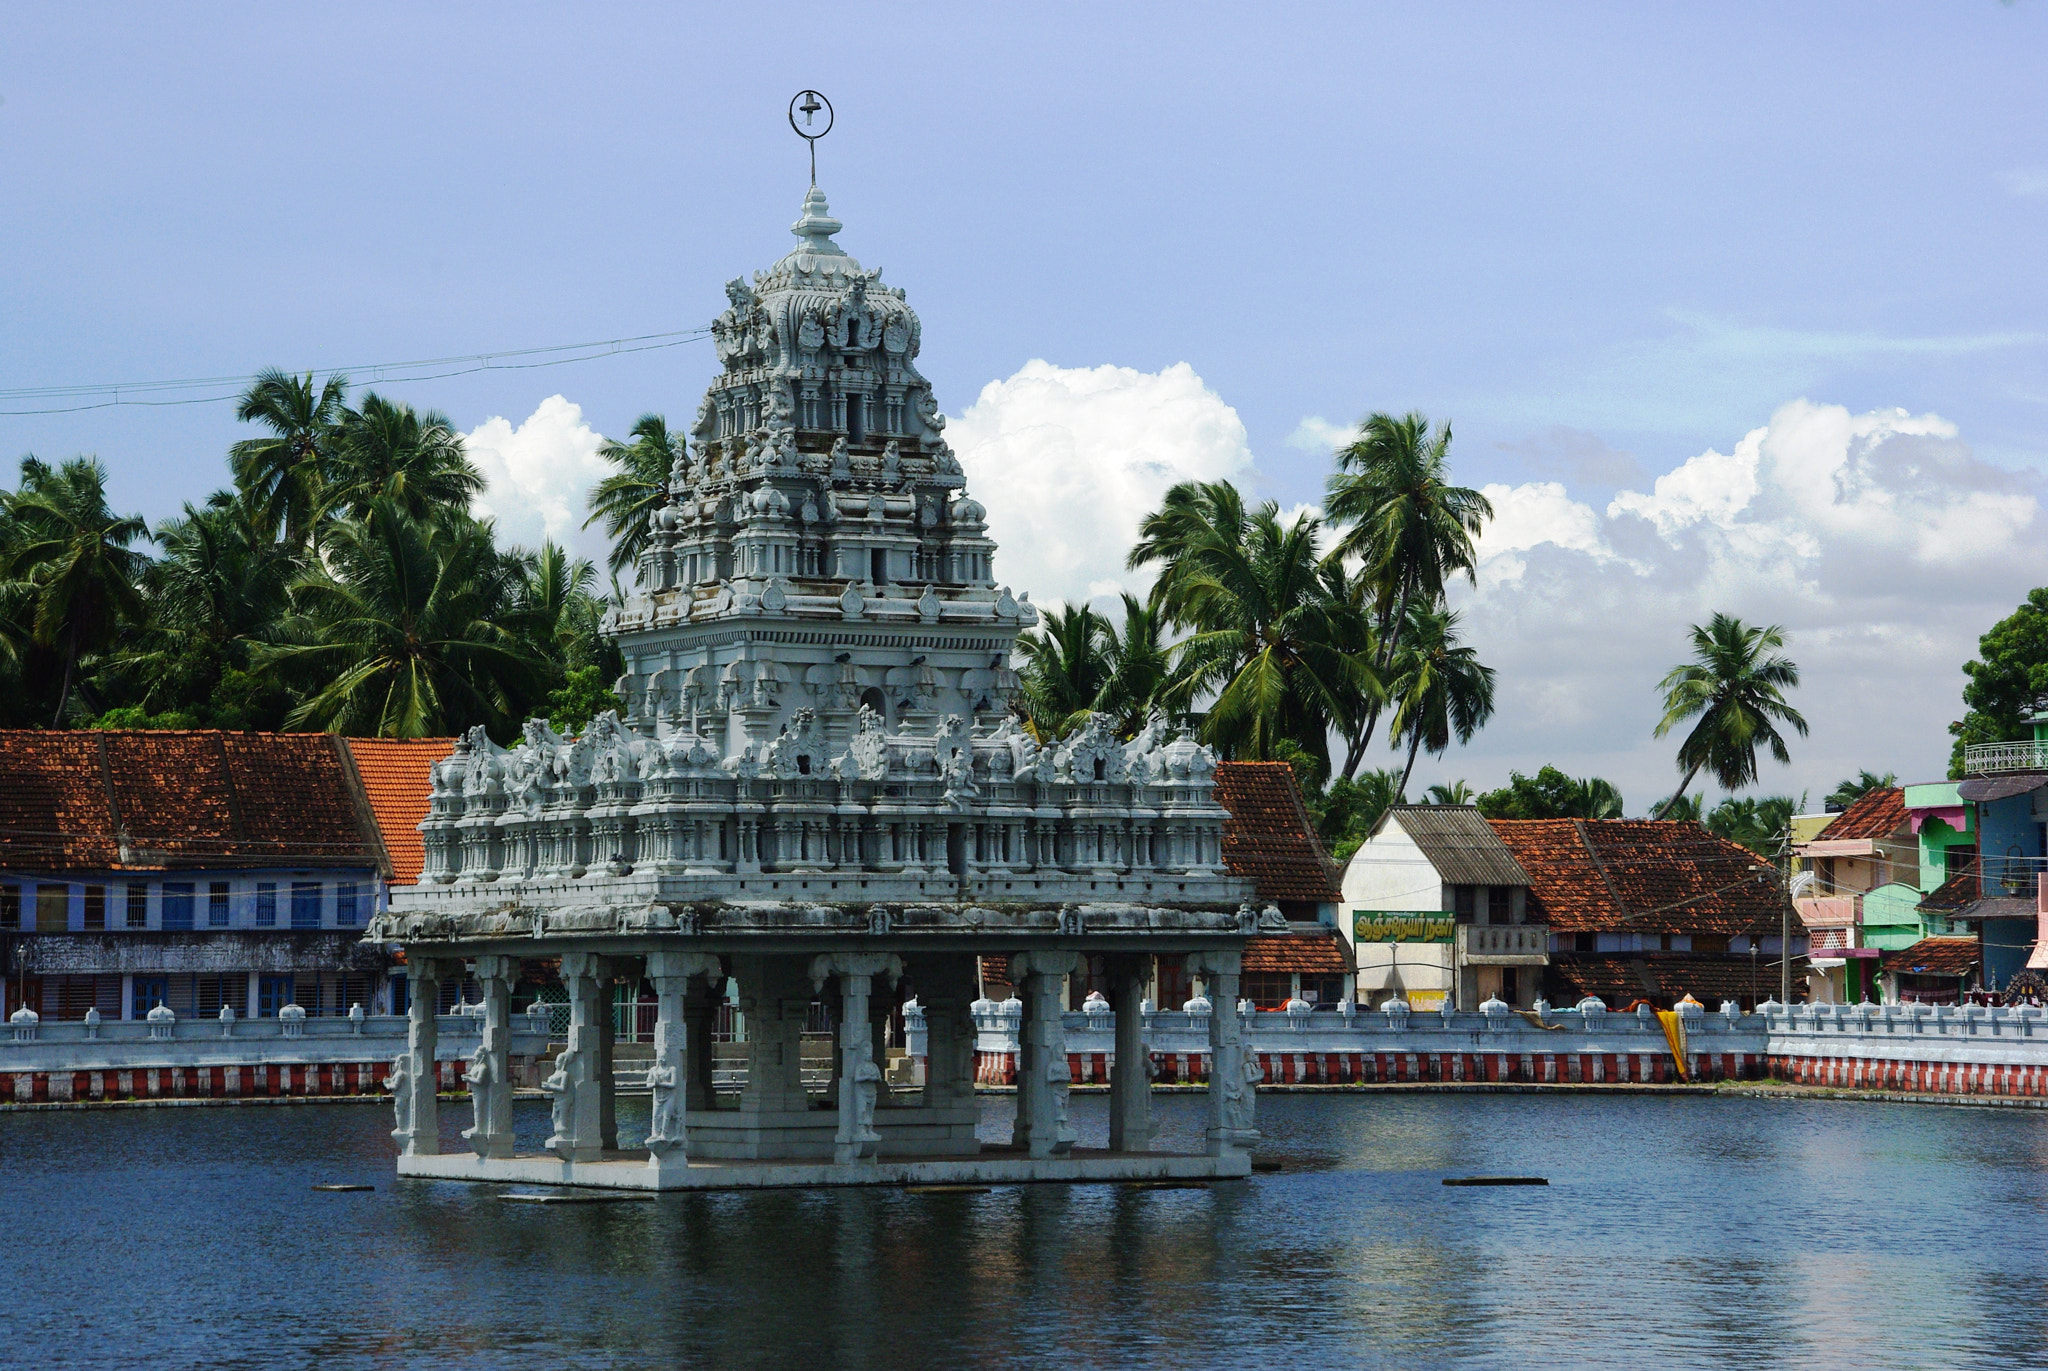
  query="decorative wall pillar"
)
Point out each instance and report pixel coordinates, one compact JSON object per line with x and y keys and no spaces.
{"x":490,"y":1066}
{"x":668,"y":1078}
{"x":414,"y":1097}
{"x":1043,"y":1076}
{"x":860,"y":1076}
{"x":575,"y":1083}
{"x":1130,"y":1082}
{"x":1234,"y":1074}
{"x":775,"y":997}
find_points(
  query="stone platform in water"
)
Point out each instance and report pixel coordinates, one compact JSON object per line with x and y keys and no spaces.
{"x":632,"y":1171}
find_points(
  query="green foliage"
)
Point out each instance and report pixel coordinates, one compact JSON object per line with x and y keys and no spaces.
{"x":1348,"y":810}
{"x":1684,"y":808}
{"x":582,"y":696}
{"x":1734,"y":686}
{"x":1269,"y":640}
{"x":1456,"y":793}
{"x":1439,"y":689}
{"x":389,"y":453}
{"x":2007,"y":677}
{"x":627,"y":499}
{"x":1550,"y":794}
{"x":1859,"y":785}
{"x":135,"y":716}
{"x":1411,"y":532}
{"x":1761,"y":825}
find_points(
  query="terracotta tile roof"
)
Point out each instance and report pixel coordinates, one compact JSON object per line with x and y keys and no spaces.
{"x":397,"y":777}
{"x":1664,"y":977}
{"x":179,"y":799}
{"x":1312,"y":954}
{"x":1268,"y":837}
{"x":1642,"y":875}
{"x":1876,"y":814}
{"x":1935,"y":957}
{"x":1954,"y":893}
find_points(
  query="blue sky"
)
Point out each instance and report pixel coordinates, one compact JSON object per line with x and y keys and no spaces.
{"x":1603,"y":240}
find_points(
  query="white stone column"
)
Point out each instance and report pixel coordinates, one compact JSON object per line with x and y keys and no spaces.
{"x":946,"y":989}
{"x":860,"y":1076}
{"x":411,"y":1083}
{"x":578,"y":1134}
{"x":490,"y":1066}
{"x":1233,"y":1073}
{"x":1130,"y":1082}
{"x":1043,"y":1076}
{"x":668,"y":1079}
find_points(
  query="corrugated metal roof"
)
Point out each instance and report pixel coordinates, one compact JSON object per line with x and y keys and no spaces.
{"x":1460,"y":844}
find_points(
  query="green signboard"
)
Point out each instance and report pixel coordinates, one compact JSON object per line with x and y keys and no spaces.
{"x":1388,"y":926}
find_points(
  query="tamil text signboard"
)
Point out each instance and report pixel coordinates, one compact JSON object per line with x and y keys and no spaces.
{"x":1385,"y":926}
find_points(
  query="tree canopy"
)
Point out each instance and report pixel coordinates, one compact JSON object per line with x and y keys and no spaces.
{"x":1550,"y":794}
{"x":2005,"y":679}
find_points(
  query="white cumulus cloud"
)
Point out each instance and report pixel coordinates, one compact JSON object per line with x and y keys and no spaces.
{"x":1879,"y":542}
{"x":1068,"y":459}
{"x":537,"y":476}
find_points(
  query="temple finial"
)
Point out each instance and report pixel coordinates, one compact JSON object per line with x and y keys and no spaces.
{"x":817,"y":225}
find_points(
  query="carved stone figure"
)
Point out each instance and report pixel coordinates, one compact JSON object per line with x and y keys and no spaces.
{"x":665,"y":1124}
{"x":400,"y":1084}
{"x":484,"y":1085}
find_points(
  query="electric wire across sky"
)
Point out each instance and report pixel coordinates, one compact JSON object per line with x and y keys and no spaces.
{"x":110,"y":394}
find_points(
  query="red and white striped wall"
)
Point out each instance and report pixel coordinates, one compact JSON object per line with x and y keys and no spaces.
{"x":323,"y":1079}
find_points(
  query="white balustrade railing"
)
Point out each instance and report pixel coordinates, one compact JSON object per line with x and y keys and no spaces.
{"x":1982,"y":758}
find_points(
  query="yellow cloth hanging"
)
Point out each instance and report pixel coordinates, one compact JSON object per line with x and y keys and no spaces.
{"x":1674,"y":1035}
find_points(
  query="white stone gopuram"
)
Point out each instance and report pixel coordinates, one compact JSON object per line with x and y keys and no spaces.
{"x":817,"y":791}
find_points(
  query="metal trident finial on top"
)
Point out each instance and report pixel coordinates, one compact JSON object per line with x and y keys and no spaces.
{"x":809,"y":104}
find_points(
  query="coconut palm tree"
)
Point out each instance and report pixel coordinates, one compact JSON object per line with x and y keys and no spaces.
{"x":1859,"y":785}
{"x":1456,"y":793}
{"x":552,"y":599}
{"x":284,"y":472}
{"x":1409,"y":527}
{"x":1140,"y":662}
{"x":1734,"y":687}
{"x":389,"y":451}
{"x":405,"y":629}
{"x":70,"y":563}
{"x":627,"y":499}
{"x":1065,"y":668}
{"x":1269,"y":636}
{"x":1439,"y":690}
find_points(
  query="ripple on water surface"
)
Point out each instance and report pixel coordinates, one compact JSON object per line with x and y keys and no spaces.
{"x":1674,"y":1232}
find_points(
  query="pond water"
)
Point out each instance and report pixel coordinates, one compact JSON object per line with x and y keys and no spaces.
{"x":1676,"y":1231}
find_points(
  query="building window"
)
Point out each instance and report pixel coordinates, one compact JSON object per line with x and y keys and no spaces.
{"x":95,"y":909}
{"x":305,"y":904}
{"x":273,"y":992}
{"x":1462,"y":901}
{"x":10,"y":906}
{"x":345,"y":903}
{"x":266,"y":904}
{"x":150,"y":991}
{"x":178,"y":906}
{"x":138,"y":905}
{"x":53,"y":908}
{"x":211,"y":993}
{"x":217,"y":904}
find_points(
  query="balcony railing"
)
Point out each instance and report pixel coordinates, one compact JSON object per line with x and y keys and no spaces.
{"x":1984,"y":758}
{"x":1504,"y":944}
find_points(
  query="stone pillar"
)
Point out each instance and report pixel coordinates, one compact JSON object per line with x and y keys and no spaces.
{"x":414,"y":1097}
{"x":776,"y":1000}
{"x":668,"y":1079}
{"x":1130,"y":1082}
{"x":1042,"y":1073}
{"x":946,"y":990}
{"x":578,"y":1104}
{"x":1233,"y":1073}
{"x":490,"y":1066}
{"x":608,"y":1032}
{"x":860,"y":1076}
{"x":701,"y":1010}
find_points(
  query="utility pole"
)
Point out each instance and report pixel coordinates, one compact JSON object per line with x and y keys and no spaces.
{"x":1785,"y":921}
